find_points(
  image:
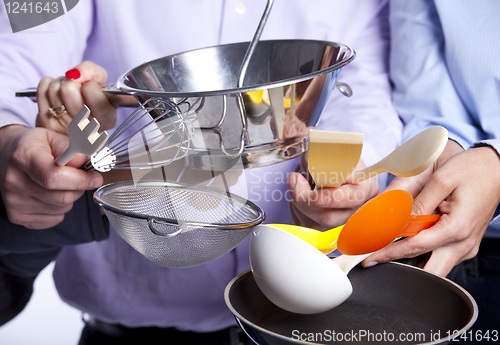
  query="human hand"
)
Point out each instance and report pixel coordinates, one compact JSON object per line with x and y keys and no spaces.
{"x":465,"y":188}
{"x":415,"y":184}
{"x":327,"y":208}
{"x":81,"y":85}
{"x":36,"y":192}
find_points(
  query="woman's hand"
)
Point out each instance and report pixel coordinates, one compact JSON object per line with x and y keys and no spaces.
{"x":60,"y":99}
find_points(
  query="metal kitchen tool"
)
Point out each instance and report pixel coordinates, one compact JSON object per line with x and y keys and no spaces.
{"x":156,"y":133}
{"x":178,"y":225}
{"x":83,"y":137}
{"x":392,"y":299}
{"x":253,"y":43}
{"x":228,"y":126}
{"x":231,"y":126}
{"x":220,"y":79}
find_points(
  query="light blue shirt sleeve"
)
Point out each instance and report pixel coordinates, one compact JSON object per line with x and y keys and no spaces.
{"x":445,"y":71}
{"x":444,"y":67}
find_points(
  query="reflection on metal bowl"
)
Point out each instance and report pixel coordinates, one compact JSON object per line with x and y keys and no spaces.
{"x":390,"y":303}
{"x":267,"y":120}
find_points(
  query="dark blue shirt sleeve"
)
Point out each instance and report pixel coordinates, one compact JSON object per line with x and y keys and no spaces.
{"x":25,"y":252}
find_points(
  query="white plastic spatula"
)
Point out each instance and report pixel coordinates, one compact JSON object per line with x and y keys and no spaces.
{"x":332,"y":156}
{"x":413,"y":157}
{"x":83,"y":137}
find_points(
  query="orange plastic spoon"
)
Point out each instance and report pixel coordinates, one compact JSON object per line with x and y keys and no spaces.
{"x":376,"y":224}
{"x":380,"y":221}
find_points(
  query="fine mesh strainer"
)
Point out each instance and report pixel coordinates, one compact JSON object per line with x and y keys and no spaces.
{"x":175,"y":224}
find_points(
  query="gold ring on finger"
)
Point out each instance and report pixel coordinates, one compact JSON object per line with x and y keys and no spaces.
{"x":57,"y":112}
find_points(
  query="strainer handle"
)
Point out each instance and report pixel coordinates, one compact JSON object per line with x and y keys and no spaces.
{"x":182,"y":228}
{"x":126,"y":99}
{"x":253,"y":43}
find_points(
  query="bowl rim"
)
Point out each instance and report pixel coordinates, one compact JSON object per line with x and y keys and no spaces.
{"x":351,"y":54}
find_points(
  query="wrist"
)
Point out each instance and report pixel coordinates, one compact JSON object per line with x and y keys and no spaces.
{"x":488,"y":151}
{"x":9,"y":132}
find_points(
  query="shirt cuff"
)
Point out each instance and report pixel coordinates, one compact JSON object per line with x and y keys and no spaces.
{"x":493,"y":143}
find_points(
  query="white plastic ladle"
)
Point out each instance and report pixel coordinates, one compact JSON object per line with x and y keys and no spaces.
{"x":296,"y":276}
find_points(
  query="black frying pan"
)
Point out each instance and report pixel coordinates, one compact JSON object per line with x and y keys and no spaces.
{"x":388,"y":301}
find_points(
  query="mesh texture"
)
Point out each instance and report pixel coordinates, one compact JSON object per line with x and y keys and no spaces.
{"x":144,"y":215}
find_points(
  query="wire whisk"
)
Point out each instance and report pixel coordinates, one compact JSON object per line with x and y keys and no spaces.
{"x":155,"y":134}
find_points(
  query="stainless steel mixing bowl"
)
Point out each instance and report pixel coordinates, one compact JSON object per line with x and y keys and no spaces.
{"x":267,"y":120}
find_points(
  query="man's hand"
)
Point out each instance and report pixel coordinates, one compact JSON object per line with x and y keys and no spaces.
{"x":465,"y":188}
{"x":326,"y":208}
{"x":36,"y":192}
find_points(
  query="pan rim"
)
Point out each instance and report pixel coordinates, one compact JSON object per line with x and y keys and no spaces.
{"x":240,"y":318}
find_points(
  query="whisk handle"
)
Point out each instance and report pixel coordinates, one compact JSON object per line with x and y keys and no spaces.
{"x":66,"y":156}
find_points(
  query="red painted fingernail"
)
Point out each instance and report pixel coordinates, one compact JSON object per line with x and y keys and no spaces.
{"x":73,"y":74}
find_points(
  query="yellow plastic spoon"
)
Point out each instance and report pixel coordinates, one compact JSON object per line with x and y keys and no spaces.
{"x":325,"y":241}
{"x":373,"y":226}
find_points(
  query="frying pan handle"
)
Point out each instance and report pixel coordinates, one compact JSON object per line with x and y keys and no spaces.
{"x":419,"y":223}
{"x":183,"y":227}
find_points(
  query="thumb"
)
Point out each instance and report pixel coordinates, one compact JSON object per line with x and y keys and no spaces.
{"x":41,"y":169}
{"x":410,"y":184}
{"x":87,"y":71}
{"x":431,"y":196}
{"x":59,"y":143}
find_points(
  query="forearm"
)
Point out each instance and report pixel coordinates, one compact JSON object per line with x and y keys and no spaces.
{"x":25,"y":252}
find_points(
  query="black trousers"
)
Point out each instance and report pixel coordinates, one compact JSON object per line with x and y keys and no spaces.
{"x":97,"y":332}
{"x":480,"y":276}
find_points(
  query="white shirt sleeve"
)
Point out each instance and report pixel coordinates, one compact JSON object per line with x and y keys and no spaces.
{"x":369,"y":110}
{"x":59,"y":45}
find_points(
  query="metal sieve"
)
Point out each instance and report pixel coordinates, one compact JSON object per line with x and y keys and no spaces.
{"x":175,"y":224}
